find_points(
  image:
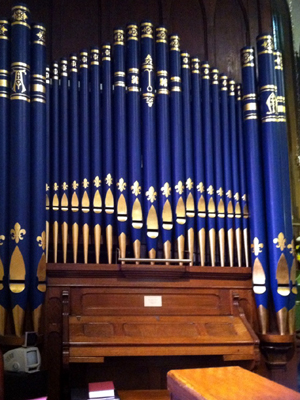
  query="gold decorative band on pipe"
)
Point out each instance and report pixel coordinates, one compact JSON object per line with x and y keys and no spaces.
{"x":4,"y":82}
{"x":19,"y":97}
{"x":122,"y":84}
{"x":37,"y":88}
{"x":21,"y":23}
{"x":268,"y":87}
{"x":250,"y":107}
{"x":20,"y":64}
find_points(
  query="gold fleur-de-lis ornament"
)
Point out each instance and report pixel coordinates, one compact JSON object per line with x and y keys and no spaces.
{"x":121,"y":185}
{"x":17,"y":233}
{"x":97,"y":182}
{"x":85,"y":183}
{"x":200,"y":187}
{"x":179,"y":187}
{"x":166,"y":190}
{"x":189,"y":184}
{"x":42,"y":240}
{"x":280,"y":241}
{"x":151,"y":194}
{"x":256,"y":246}
{"x":109,"y":180}
{"x":75,"y":185}
{"x":136,"y":188}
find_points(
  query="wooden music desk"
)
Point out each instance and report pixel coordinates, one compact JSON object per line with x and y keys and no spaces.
{"x":225,"y":383}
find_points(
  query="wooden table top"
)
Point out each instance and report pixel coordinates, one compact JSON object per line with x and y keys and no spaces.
{"x":225,"y":383}
{"x":144,"y":394}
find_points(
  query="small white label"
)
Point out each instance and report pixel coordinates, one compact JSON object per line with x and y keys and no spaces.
{"x":152,"y":301}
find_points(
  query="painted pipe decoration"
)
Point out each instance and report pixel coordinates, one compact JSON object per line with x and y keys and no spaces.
{"x":121,"y":174}
{"x":19,"y":165}
{"x":37,"y":285}
{"x":235,"y":171}
{"x":108,"y":164}
{"x":96,"y":146}
{"x":286,"y":190}
{"x":84,"y":134}
{"x":188,"y":152}
{"x":209,"y":165}
{"x":54,"y":158}
{"x":242,"y":173}
{"x":74,"y":152}
{"x":48,"y":90}
{"x":134,"y":136}
{"x":198,"y":141}
{"x":149,"y":136}
{"x":164,"y":142}
{"x":254,"y":170}
{"x":228,"y":189}
{"x":4,"y":171}
{"x":177,"y":146}
{"x":276,"y":234}
{"x":64,"y":154}
{"x":218,"y":163}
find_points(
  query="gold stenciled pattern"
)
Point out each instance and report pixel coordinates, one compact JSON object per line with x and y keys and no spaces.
{"x":17,"y":233}
{"x":121,"y":185}
{"x":220,"y":192}
{"x":151,"y":194}
{"x":42,"y":240}
{"x":189,"y":184}
{"x":272,"y":104}
{"x":85,"y":183}
{"x":247,"y":58}
{"x":147,"y":30}
{"x":256,"y":246}
{"x":229,"y":194}
{"x":179,"y":187}
{"x":210,"y":190}
{"x":291,"y":247}
{"x":236,"y":196}
{"x":166,"y":190}
{"x":119,"y":36}
{"x":161,"y":34}
{"x":2,"y":238}
{"x":268,"y":44}
{"x":42,"y":36}
{"x":175,"y":43}
{"x":75,"y":185}
{"x":97,"y":182}
{"x":109,"y":180}
{"x":200,"y":187}
{"x":133,"y":31}
{"x":280,"y":241}
{"x":19,"y":85}
{"x":3,"y":29}
{"x":136,"y":188}
{"x":20,"y":15}
{"x":278,"y":60}
{"x":65,"y":186}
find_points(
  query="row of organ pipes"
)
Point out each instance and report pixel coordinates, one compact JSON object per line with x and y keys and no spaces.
{"x":148,"y":155}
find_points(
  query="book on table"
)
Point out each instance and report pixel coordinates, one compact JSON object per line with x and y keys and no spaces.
{"x":101,"y":390}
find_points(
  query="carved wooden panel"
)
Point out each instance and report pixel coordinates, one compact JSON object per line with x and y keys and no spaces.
{"x":89,"y":302}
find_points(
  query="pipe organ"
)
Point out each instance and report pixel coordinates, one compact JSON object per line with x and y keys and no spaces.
{"x":150,"y":157}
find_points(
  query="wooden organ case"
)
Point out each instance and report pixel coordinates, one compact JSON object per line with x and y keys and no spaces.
{"x":95,"y":312}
